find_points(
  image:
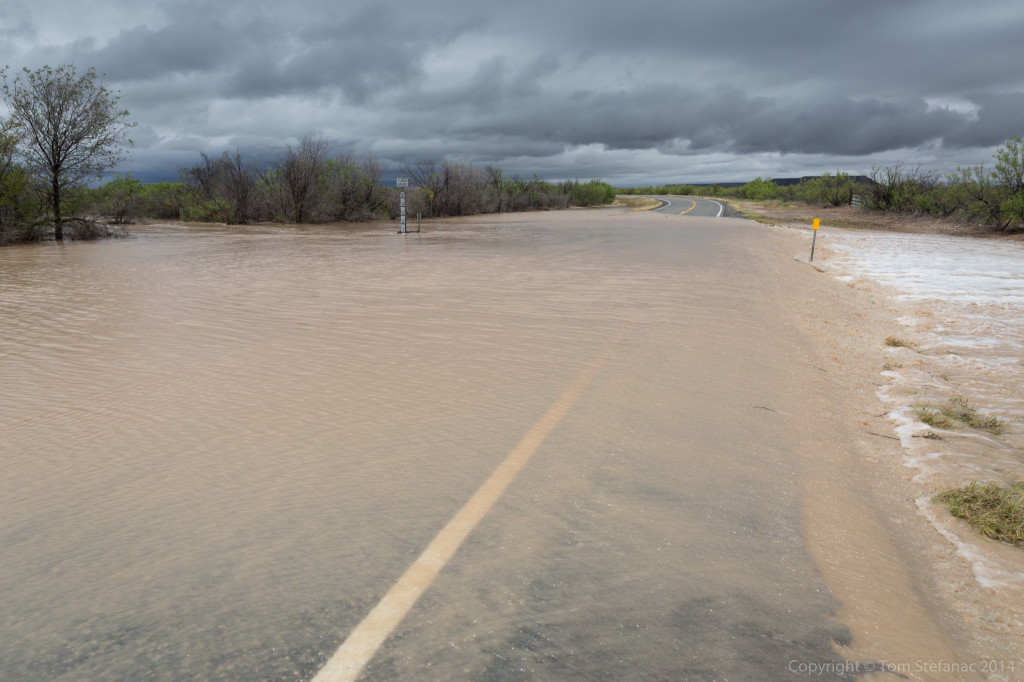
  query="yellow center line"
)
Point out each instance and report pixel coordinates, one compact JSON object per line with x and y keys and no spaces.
{"x":363,"y":643}
{"x":691,"y":207}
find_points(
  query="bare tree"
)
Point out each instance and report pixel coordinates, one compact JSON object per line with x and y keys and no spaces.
{"x":73,"y":128}
{"x":240,"y":187}
{"x":466,"y":187}
{"x":423,"y":173}
{"x":496,"y":182}
{"x":373,"y":192}
{"x":222,"y":189}
{"x":895,"y":187}
{"x":204,"y":185}
{"x":302,"y":175}
{"x":425,"y":176}
{"x":202,"y":179}
{"x":458,"y":188}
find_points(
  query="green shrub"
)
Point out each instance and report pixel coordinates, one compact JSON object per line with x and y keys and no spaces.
{"x":828,"y":190}
{"x":593,"y":193}
{"x":760,"y":189}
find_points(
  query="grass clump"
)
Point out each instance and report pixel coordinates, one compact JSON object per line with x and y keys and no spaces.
{"x":993,"y":510}
{"x":896,"y":342}
{"x":933,"y":417}
{"x":958,"y":411}
{"x":639,"y":203}
{"x":962,"y":412}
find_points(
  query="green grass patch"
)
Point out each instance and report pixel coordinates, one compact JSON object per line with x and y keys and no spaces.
{"x":896,"y":342}
{"x":993,"y":510}
{"x":958,"y":411}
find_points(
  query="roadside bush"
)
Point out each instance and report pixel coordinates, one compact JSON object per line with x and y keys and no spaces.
{"x":352,"y":189}
{"x":20,"y":200}
{"x":21,"y":206}
{"x":1009,"y":173}
{"x":161,"y":200}
{"x":827,"y":190}
{"x":593,"y":193}
{"x":902,"y":189}
{"x":1013,"y":211}
{"x":759,"y":189}
{"x":118,"y":200}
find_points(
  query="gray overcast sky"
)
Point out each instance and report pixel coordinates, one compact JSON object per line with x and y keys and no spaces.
{"x":630,"y":92}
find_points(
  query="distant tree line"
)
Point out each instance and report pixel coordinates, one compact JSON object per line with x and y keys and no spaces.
{"x":826,"y":190}
{"x":65,"y":130}
{"x":307,"y":185}
{"x":990,"y":196}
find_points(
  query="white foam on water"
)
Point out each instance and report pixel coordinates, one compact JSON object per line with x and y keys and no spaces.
{"x":964,"y":313}
{"x":988,"y":573}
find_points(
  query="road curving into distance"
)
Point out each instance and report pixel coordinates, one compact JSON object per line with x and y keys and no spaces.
{"x":696,"y":207}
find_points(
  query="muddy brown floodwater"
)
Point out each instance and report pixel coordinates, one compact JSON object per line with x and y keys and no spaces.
{"x":222,"y":447}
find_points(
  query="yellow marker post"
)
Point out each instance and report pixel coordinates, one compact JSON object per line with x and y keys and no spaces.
{"x":817,"y":224}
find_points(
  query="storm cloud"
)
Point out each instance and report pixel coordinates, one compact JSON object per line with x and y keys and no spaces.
{"x":629,"y":92}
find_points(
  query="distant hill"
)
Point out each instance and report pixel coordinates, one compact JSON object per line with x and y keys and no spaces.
{"x":781,"y":182}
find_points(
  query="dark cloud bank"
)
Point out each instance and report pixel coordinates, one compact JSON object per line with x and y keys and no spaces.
{"x":655,"y":91}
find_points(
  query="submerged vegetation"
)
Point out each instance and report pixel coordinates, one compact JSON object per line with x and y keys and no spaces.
{"x":897,"y":342}
{"x":957,"y":411}
{"x":995,"y":511}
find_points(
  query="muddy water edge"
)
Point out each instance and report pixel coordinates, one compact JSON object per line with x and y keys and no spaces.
{"x":221,"y":447}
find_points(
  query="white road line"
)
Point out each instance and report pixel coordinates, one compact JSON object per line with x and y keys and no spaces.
{"x":362,"y":644}
{"x":721,"y":208}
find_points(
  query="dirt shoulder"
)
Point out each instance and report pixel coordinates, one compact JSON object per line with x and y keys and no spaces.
{"x":907,"y":595}
{"x":796,"y":215}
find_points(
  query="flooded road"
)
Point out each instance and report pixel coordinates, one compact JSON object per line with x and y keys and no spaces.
{"x":222,"y":447}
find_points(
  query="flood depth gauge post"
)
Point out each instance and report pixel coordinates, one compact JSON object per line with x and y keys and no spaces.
{"x":402,"y":183}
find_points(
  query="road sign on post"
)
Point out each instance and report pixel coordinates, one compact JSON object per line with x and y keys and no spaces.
{"x":403,"y":183}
